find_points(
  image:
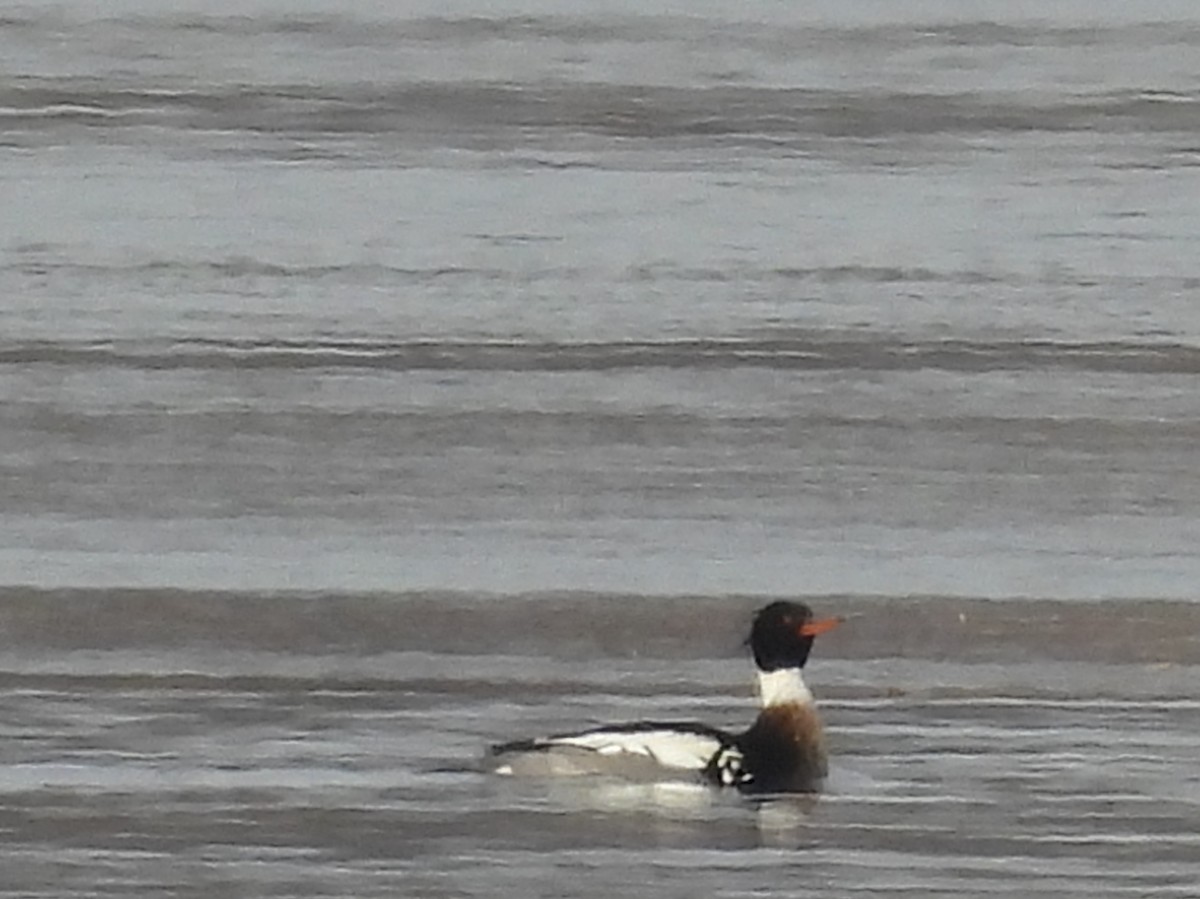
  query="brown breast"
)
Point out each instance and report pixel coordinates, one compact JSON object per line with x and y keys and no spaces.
{"x":785,"y":749}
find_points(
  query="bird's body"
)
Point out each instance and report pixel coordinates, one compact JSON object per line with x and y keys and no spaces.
{"x":783,"y":751}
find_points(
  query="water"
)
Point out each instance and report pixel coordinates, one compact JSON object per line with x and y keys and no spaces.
{"x":378,"y":384}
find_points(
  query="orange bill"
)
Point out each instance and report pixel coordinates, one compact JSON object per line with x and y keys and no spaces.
{"x":818,"y":626}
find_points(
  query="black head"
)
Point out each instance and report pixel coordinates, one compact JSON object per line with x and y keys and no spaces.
{"x":782,"y":634}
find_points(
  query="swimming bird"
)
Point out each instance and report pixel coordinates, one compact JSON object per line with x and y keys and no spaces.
{"x":783,"y":751}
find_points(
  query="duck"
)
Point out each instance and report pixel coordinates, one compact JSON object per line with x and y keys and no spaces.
{"x":782,"y":751}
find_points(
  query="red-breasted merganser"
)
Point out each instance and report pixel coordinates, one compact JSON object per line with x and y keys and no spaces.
{"x":782,"y":752}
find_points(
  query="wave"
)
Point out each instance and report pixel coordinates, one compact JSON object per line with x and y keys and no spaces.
{"x":45,"y":259}
{"x":803,"y":352}
{"x":397,"y":28}
{"x":524,"y":114}
{"x":581,"y":624}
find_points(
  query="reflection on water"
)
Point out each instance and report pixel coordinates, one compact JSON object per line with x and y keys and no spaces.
{"x":360,"y":773}
{"x":382,"y":381}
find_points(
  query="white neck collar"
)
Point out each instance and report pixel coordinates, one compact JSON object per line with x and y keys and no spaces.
{"x":782,"y":687}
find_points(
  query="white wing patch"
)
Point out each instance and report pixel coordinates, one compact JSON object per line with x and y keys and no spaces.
{"x":728,"y":765}
{"x":670,"y":748}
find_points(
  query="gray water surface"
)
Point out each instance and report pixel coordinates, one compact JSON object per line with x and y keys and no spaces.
{"x":379,"y":383}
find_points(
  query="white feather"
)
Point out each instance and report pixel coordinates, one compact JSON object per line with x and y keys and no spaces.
{"x":783,"y":686}
{"x":670,"y":748}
